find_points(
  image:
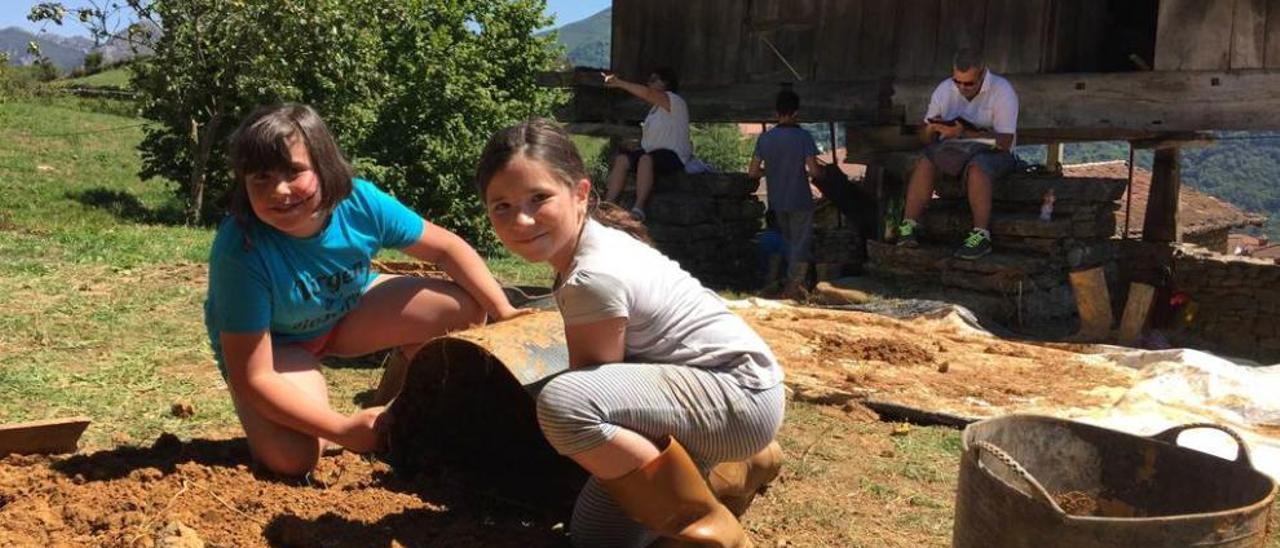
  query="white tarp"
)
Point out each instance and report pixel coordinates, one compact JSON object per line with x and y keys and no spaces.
{"x":1186,"y":386}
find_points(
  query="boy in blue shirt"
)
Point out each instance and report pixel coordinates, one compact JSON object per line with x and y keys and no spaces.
{"x":789,"y":157}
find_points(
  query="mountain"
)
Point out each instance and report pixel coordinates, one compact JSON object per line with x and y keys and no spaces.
{"x":66,"y":52}
{"x":586,"y":42}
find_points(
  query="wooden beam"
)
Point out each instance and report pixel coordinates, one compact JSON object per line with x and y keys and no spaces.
{"x":1161,"y":223}
{"x":1092,"y":106}
{"x":1130,"y":101}
{"x":827,"y":101}
{"x":1175,"y":140}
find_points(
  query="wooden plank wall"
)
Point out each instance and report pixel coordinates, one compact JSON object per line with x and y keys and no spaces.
{"x":1074,"y":37}
{"x":1218,"y":35}
{"x":1195,"y":34}
{"x":721,"y":42}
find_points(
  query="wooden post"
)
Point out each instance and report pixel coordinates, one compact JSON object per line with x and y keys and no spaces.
{"x":1053,"y":159}
{"x":1136,"y":311}
{"x":1161,"y":224}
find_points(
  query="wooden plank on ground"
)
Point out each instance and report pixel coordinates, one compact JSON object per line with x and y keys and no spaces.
{"x":52,"y":436}
{"x":1194,"y":35}
{"x":1249,"y":35}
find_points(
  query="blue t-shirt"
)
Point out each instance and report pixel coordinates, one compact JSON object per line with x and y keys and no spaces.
{"x":298,"y":288}
{"x":785,"y":149}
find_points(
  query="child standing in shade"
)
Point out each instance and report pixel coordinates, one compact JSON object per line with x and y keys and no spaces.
{"x":290,"y":282}
{"x":786,"y":157}
{"x":664,"y":381}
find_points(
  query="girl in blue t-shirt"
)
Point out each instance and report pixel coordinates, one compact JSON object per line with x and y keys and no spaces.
{"x":290,"y":282}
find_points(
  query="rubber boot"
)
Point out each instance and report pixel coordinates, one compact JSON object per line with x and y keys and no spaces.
{"x":737,"y":483}
{"x":669,"y":496}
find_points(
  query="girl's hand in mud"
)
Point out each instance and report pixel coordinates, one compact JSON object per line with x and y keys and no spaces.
{"x":511,"y":312}
{"x":365,"y":431}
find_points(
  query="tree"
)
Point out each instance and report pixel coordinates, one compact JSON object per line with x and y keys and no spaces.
{"x":411,"y":88}
{"x":93,"y":62}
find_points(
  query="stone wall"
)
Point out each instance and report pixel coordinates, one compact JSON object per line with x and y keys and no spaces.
{"x":1236,"y":303}
{"x":1214,"y":240}
{"x":1024,"y":282}
{"x":708,"y":223}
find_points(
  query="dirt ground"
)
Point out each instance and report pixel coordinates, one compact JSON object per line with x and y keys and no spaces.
{"x":850,"y":480}
{"x":938,"y":364}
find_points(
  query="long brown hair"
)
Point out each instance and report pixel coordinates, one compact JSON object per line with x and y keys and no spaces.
{"x":543,"y":141}
{"x":262,"y":141}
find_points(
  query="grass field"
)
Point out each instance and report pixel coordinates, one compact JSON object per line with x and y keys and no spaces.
{"x":111,"y":78}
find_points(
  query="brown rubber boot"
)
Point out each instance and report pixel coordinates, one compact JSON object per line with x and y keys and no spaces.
{"x":737,"y":483}
{"x":669,"y":496}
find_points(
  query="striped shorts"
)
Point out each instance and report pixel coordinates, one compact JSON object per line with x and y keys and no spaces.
{"x":712,"y":416}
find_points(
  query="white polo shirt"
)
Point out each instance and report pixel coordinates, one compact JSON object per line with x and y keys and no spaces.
{"x":995,"y":107}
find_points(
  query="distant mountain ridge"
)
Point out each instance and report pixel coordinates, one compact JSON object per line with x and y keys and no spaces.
{"x":66,"y":52}
{"x":587,"y":42}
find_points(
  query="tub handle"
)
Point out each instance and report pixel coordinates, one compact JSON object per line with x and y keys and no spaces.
{"x":1170,"y":437}
{"x":1037,"y":490}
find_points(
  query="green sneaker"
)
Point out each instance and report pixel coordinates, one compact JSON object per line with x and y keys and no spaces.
{"x":975,"y":246}
{"x":908,"y":234}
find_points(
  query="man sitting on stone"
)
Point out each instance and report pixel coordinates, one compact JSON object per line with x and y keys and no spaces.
{"x":970,"y":130}
{"x":789,"y":157}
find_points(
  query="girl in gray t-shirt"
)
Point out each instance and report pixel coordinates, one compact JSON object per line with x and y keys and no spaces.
{"x":654,"y":358}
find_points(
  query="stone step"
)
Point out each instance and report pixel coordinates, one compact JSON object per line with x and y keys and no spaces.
{"x":705,"y":184}
{"x":1001,"y":272}
{"x":688,"y":210}
{"x":1032,"y":188}
{"x":949,"y":221}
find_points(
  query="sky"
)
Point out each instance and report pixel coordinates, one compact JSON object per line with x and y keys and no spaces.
{"x":13,"y":13}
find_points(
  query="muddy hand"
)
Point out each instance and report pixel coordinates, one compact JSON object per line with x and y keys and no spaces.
{"x":363,"y":433}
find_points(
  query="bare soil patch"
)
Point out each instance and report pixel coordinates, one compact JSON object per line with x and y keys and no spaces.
{"x":934,"y":364}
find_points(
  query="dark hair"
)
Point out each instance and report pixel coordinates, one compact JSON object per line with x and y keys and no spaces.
{"x":543,"y":141}
{"x":262,"y":141}
{"x":668,"y":75}
{"x":787,"y":102}
{"x":967,"y":59}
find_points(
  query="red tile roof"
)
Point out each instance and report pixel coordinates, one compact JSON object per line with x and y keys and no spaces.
{"x":1198,"y":213}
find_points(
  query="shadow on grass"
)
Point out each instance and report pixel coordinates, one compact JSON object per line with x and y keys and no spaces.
{"x":128,"y":207}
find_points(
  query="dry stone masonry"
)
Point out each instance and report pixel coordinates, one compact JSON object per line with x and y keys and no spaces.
{"x":1024,"y":281}
{"x":708,"y":223}
{"x":1236,"y":303}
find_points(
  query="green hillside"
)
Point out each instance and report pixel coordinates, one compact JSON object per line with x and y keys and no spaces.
{"x":586,"y":42}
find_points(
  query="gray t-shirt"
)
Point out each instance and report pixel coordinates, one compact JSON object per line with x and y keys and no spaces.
{"x":671,"y":318}
{"x":784,"y":150}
